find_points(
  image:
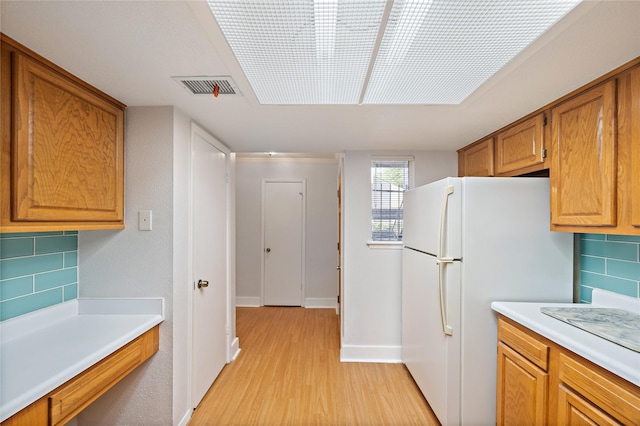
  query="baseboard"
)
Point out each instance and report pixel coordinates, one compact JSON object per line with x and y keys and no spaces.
{"x":247,"y":302}
{"x":357,"y":353}
{"x":185,"y":419}
{"x":320,"y":302}
{"x":309,"y":302}
{"x":235,"y":349}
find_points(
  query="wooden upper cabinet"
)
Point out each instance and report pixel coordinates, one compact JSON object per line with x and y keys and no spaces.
{"x":521,"y":147}
{"x":629,"y":153}
{"x":64,"y":149}
{"x":67,"y":149}
{"x":517,"y":150}
{"x":630,"y":135}
{"x":477,"y":159}
{"x":592,"y":141}
{"x":583,"y":168}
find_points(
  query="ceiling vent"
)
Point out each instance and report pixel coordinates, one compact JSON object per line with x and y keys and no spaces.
{"x":205,"y":85}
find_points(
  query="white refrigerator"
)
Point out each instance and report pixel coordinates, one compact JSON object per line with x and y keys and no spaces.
{"x":467,"y":242}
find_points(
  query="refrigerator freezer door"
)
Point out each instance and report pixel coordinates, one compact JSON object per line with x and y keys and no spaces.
{"x":432,"y":357}
{"x":423,"y":208}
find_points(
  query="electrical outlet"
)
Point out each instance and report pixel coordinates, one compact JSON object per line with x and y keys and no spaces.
{"x":144,"y":220}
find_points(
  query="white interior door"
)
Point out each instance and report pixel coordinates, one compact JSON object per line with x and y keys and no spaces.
{"x":209,"y":263}
{"x":283,"y":249}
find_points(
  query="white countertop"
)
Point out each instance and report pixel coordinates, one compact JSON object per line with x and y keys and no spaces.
{"x":611,"y":356}
{"x":42,"y":350}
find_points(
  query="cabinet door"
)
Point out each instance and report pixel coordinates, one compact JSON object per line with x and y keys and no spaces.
{"x":583,"y":166}
{"x":477,"y":160}
{"x":617,"y":398}
{"x":521,"y":146}
{"x":628,"y":115}
{"x":521,"y":390}
{"x":573,"y":410}
{"x":634,"y":140}
{"x":67,"y":150}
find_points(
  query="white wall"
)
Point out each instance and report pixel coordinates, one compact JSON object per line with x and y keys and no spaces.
{"x":132,"y":263}
{"x":321,"y":253}
{"x":182,"y":271}
{"x":372,"y":318}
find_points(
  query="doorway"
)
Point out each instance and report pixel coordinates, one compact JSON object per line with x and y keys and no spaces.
{"x":283,"y":242}
{"x":209,"y":262}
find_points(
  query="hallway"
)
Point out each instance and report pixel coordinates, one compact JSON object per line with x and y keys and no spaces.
{"x":289,"y":373}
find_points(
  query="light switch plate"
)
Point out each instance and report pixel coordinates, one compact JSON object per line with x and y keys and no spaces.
{"x":144,"y":220}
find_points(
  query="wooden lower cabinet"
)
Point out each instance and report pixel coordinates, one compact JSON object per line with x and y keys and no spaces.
{"x":567,"y":390}
{"x":69,"y":399}
{"x":522,"y":389}
{"x":574,"y":410}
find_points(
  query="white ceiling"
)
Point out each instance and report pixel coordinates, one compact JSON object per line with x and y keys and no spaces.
{"x":130,"y":50}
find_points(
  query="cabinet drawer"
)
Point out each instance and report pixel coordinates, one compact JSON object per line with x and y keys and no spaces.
{"x":70,"y":398}
{"x":605,"y":390}
{"x":528,"y":346}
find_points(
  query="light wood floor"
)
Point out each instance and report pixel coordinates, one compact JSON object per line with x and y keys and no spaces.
{"x":289,"y":373}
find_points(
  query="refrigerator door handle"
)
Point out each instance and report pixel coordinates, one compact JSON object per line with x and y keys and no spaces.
{"x":444,"y":318}
{"x":442,"y":261}
{"x":448,"y":190}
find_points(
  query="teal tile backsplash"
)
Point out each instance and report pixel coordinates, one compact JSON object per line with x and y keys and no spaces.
{"x":609,"y":262}
{"x":37,"y":270}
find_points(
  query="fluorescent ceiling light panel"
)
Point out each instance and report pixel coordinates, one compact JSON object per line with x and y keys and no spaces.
{"x":301,"y":51}
{"x":305,"y":52}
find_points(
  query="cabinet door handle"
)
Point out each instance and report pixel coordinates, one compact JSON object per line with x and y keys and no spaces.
{"x":203,"y":283}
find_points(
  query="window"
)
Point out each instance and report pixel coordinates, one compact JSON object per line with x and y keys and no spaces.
{"x":389,"y":179}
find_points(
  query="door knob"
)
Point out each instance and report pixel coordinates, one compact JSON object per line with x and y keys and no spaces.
{"x":268,"y":250}
{"x":203,"y":283}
